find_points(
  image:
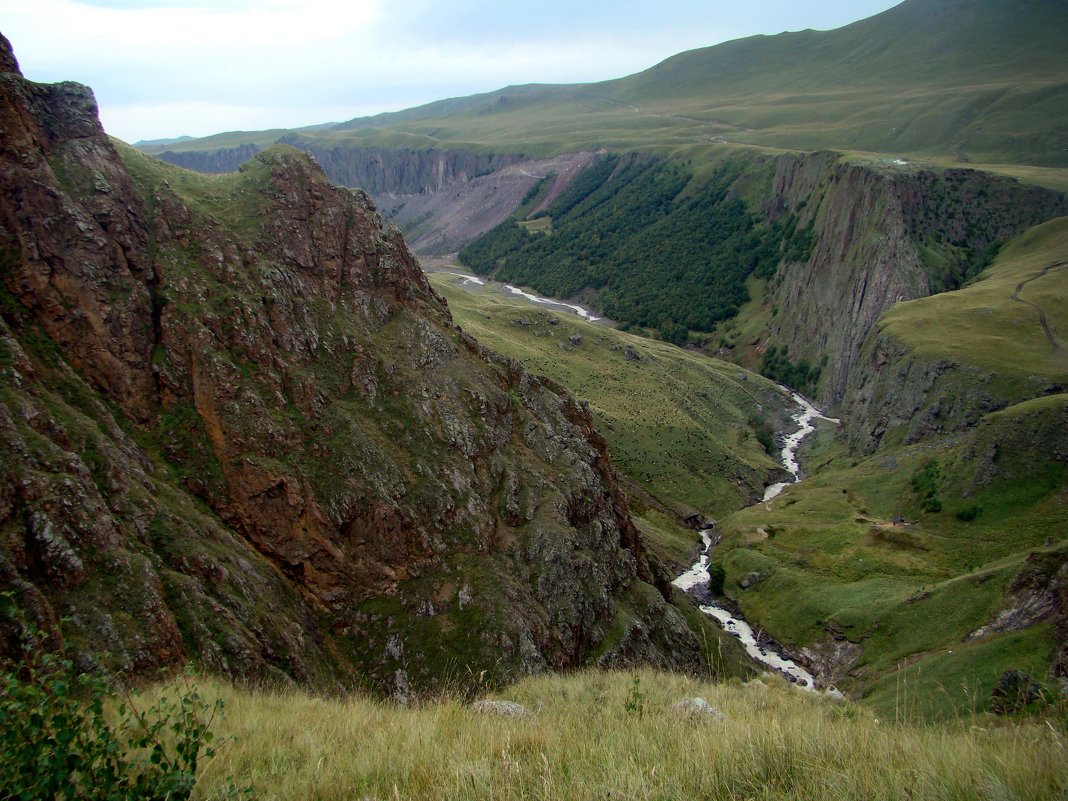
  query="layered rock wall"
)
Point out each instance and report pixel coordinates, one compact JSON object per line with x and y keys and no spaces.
{"x":884,"y":233}
{"x":374,"y":169}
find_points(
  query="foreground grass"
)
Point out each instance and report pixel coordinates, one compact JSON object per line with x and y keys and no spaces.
{"x":614,"y":735}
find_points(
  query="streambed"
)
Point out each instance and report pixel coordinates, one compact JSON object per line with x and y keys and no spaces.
{"x":697,"y":575}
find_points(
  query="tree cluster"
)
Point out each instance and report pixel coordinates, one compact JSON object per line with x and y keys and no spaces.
{"x":776,"y":365}
{"x":660,"y":251}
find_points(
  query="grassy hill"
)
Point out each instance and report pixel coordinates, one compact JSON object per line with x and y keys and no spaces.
{"x":973,"y":80}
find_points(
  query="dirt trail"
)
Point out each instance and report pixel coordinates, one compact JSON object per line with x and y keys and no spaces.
{"x":1041,"y":312}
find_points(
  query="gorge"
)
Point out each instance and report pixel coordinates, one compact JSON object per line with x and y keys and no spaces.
{"x":242,"y":389}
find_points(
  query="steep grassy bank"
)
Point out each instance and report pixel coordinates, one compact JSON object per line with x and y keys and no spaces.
{"x":615,"y":735}
{"x":684,"y":427}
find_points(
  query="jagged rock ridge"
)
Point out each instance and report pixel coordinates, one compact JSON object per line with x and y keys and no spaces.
{"x":239,"y":425}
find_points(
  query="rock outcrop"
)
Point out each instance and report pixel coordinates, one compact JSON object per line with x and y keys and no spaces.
{"x":883,"y":233}
{"x":239,"y":425}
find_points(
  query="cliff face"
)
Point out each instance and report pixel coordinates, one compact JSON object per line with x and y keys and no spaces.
{"x":240,"y":425}
{"x":443,"y":221}
{"x":442,"y":199}
{"x":884,"y":233}
{"x":374,"y":169}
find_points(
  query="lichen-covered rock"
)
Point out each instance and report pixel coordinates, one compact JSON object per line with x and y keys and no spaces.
{"x":1036,"y":594}
{"x":504,"y":709}
{"x":1014,"y":691}
{"x":750,"y":580}
{"x":698,"y":708}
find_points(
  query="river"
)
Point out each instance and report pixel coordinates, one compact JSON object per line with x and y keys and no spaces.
{"x":697,"y":575}
{"x":574,"y":308}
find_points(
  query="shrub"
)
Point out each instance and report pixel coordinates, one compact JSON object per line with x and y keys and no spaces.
{"x":58,"y":740}
{"x":925,"y":483}
{"x":716,"y":576}
{"x":970,"y":513}
{"x":931,"y":505}
{"x":764,"y":433}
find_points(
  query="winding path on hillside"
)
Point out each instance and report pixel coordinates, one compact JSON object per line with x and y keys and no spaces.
{"x":1041,"y":312}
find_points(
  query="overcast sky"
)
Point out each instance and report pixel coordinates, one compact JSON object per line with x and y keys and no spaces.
{"x":163,"y":68}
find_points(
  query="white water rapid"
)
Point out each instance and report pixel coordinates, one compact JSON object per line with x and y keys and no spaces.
{"x":788,"y":456}
{"x":697,"y":575}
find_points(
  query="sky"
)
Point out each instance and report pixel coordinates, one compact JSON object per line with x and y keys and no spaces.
{"x":167,"y":68}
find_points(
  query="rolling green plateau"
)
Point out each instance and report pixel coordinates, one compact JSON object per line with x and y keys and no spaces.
{"x":973,"y":80}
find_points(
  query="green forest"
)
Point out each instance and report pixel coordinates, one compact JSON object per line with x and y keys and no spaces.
{"x":658,"y":251}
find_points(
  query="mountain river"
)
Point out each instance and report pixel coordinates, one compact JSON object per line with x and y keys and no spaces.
{"x":697,"y":575}
{"x":581,"y":311}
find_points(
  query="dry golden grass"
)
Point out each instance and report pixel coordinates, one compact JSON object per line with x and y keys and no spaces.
{"x":603,"y":736}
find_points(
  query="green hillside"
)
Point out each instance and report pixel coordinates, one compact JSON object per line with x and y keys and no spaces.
{"x":840,"y":572}
{"x":984,"y":506}
{"x":683,"y":427}
{"x":1010,"y":324}
{"x":973,"y":80}
{"x":658,"y":248}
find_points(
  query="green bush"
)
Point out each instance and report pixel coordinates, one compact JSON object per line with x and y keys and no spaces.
{"x":776,"y":365}
{"x":716,"y":577}
{"x":925,"y":483}
{"x":765,"y":434}
{"x":931,"y":505}
{"x":65,"y":735}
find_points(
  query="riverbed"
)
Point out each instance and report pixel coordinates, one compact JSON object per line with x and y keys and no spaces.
{"x":697,"y":575}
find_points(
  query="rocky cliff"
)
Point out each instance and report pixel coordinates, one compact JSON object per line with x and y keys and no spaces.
{"x":441,"y":199}
{"x":941,"y":364}
{"x":883,"y":232}
{"x":240,"y":426}
{"x":375,"y":169}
